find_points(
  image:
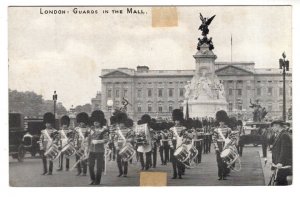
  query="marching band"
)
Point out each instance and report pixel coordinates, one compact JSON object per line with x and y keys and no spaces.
{"x":182,"y":143}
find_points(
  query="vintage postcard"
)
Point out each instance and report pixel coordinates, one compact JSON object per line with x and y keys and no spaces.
{"x":150,"y":96}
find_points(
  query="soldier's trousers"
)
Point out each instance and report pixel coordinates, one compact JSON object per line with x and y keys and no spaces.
{"x":62,"y":162}
{"x":82,"y":164}
{"x":154,"y":156}
{"x":93,"y":158}
{"x":223,"y":170}
{"x":199,"y":146}
{"x":122,"y":165}
{"x":44,"y":159}
{"x":178,"y":167}
{"x":148,"y":159}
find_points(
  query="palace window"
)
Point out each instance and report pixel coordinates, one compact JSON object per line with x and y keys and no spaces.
{"x":139,"y":108}
{"x":230,"y":92}
{"x":170,"y":107}
{"x":149,"y":92}
{"x":239,"y":92}
{"x":139,"y":93}
{"x":149,"y":107}
{"x":270,"y":91}
{"x":181,"y":92}
{"x":125,"y":93}
{"x":160,"y":92}
{"x":117,"y":93}
{"x":160,"y":108}
{"x":171,"y":90}
{"x":109,"y":93}
{"x":240,"y":106}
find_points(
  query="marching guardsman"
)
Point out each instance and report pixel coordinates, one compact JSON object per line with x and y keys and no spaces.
{"x":154,"y":127}
{"x":112,"y":137}
{"x":121,"y":139}
{"x":47,"y":138}
{"x":96,"y":140}
{"x":81,"y":132}
{"x":199,"y":138}
{"x":221,"y":132}
{"x":64,"y":134}
{"x":176,"y":132}
{"x":143,"y":142}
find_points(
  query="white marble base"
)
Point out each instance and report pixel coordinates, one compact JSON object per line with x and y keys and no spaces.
{"x":205,"y":108}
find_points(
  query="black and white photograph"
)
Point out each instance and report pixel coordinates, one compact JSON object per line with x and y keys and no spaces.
{"x":115,"y":96}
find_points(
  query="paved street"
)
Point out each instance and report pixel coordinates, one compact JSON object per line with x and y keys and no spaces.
{"x":28,"y":173}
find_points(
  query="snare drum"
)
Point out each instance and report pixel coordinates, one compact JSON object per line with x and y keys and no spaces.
{"x":182,"y":153}
{"x":127,"y":152}
{"x":69,"y":150}
{"x":53,"y":152}
{"x":229,"y":155}
{"x":193,"y":152}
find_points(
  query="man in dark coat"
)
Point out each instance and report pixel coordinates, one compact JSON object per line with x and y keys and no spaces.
{"x":281,"y":152}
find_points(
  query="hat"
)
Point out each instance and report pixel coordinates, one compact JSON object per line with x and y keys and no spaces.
{"x":239,"y":122}
{"x":82,"y":117}
{"x":221,"y":116}
{"x":65,"y":120}
{"x":128,"y":123}
{"x":232,"y":122}
{"x":188,"y":123}
{"x":49,"y":118}
{"x":177,"y":114}
{"x":280,"y":122}
{"x":146,"y":118}
{"x":113,"y":120}
{"x":97,"y":116}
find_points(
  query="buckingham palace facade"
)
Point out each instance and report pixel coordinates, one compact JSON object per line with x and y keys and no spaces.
{"x":158,"y":92}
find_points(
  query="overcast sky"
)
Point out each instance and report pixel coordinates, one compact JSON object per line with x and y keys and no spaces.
{"x":67,"y":52}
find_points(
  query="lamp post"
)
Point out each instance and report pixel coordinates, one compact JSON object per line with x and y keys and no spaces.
{"x":110,"y":104}
{"x":284,"y":65}
{"x":54,"y":97}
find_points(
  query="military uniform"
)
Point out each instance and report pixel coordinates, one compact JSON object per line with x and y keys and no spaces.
{"x":199,"y":138}
{"x":47,"y":138}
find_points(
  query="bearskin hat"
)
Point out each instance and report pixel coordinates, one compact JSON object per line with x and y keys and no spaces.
{"x":113,"y":120}
{"x":189,"y":123}
{"x":82,"y":117}
{"x":146,"y":118}
{"x":239,"y":122}
{"x":221,"y":116}
{"x":177,"y":114}
{"x":49,"y":118}
{"x":232,"y":122}
{"x":129,"y":123}
{"x":97,"y":116}
{"x":65,"y":120}
{"x":121,"y":117}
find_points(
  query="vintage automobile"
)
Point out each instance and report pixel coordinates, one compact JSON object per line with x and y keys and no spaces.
{"x":24,"y":134}
{"x":16,"y":133}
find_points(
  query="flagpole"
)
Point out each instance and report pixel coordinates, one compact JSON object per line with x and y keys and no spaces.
{"x":231,"y":49}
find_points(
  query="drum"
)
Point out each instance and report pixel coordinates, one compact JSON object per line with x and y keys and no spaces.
{"x":68,"y":150}
{"x":229,"y":155}
{"x":193,"y":153}
{"x":127,"y":152}
{"x":53,"y":152}
{"x":182,"y":153}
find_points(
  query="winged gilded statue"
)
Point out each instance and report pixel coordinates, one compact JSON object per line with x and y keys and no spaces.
{"x":205,"y":23}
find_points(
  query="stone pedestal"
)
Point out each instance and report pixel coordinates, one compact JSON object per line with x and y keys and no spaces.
{"x":205,"y":93}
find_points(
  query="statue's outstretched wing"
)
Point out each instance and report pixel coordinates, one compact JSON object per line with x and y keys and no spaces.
{"x":209,"y":20}
{"x":201,"y":17}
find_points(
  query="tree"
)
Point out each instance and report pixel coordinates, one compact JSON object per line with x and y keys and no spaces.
{"x":87,"y":108}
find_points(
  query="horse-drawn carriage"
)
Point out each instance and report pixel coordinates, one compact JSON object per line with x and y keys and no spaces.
{"x":256,"y":133}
